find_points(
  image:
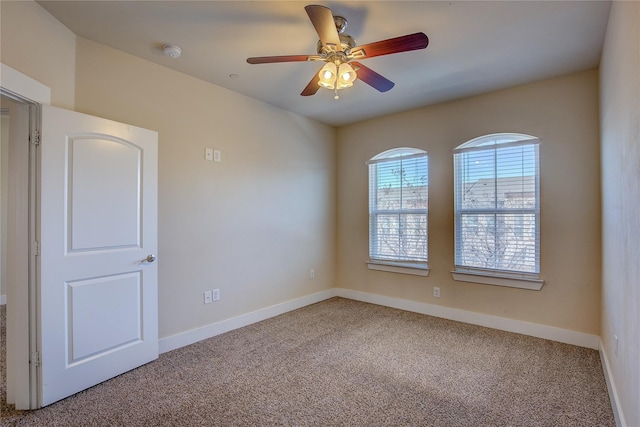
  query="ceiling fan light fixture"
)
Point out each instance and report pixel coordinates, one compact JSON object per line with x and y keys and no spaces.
{"x":336,"y":77}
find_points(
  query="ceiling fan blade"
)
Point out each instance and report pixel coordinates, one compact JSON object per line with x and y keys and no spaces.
{"x":313,"y":86}
{"x":395,"y":45}
{"x":322,"y":20}
{"x":284,"y":58}
{"x":372,"y":78}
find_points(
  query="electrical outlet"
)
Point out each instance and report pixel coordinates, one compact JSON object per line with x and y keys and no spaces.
{"x":216,"y":294}
{"x":312,"y":274}
{"x":208,"y":297}
{"x":436,"y":292}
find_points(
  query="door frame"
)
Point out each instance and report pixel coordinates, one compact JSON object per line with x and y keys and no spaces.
{"x":24,"y":299}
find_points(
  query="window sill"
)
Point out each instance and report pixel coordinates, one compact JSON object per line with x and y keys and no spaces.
{"x":498,"y":280}
{"x":399,"y":267}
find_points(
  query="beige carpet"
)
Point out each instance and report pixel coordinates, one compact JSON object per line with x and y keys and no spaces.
{"x":347,"y":363}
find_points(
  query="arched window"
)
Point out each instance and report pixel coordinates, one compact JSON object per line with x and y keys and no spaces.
{"x":497,"y":206}
{"x":398,"y":196}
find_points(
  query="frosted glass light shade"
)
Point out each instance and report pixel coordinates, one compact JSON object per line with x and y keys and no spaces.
{"x":328,"y":75}
{"x":346,"y":76}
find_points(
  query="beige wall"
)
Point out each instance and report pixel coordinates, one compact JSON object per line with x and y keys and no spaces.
{"x":254,"y":224}
{"x":39,"y":46}
{"x":563,"y":112}
{"x":620,"y":111}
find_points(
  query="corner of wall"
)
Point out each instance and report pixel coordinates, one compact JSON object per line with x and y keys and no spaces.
{"x":611,"y":388}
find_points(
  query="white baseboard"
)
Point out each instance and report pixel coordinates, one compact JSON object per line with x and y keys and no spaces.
{"x":611,"y":388}
{"x":190,"y":337}
{"x":3,"y":299}
{"x":502,"y":323}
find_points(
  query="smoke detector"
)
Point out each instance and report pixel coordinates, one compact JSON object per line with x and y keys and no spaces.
{"x":172,"y":50}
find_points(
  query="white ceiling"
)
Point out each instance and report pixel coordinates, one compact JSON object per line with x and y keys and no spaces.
{"x":475,"y":46}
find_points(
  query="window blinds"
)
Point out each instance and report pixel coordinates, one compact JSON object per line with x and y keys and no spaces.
{"x":398,"y":196}
{"x":497,"y":207}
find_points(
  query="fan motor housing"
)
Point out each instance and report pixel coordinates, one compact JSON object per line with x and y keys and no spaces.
{"x":347,"y":43}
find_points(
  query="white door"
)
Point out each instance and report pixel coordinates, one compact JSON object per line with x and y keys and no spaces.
{"x":98,"y":238}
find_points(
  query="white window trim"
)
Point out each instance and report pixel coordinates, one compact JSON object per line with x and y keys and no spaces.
{"x":490,"y":278}
{"x":380,"y":158}
{"x":416,"y":269}
{"x":419,"y":268}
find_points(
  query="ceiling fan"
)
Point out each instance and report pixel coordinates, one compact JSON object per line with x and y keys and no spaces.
{"x":341,"y":55}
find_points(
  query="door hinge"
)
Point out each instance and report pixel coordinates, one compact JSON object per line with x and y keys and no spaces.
{"x":37,"y":359}
{"x":35,"y":137}
{"x":35,"y":248}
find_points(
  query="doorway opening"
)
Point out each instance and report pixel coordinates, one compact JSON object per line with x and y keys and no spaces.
{"x":17,"y":253}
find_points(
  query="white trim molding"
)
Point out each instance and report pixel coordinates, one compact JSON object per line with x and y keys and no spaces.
{"x":495,"y":322}
{"x":18,"y":83}
{"x":611,"y":388}
{"x":487,"y":279}
{"x":202,"y":333}
{"x":417,"y":269}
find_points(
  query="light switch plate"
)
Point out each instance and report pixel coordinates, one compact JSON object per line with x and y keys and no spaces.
{"x":208,"y":154}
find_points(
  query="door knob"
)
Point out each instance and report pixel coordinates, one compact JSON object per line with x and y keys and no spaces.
{"x":149,"y":258}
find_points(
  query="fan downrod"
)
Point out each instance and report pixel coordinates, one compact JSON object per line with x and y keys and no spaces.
{"x":341,"y":23}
